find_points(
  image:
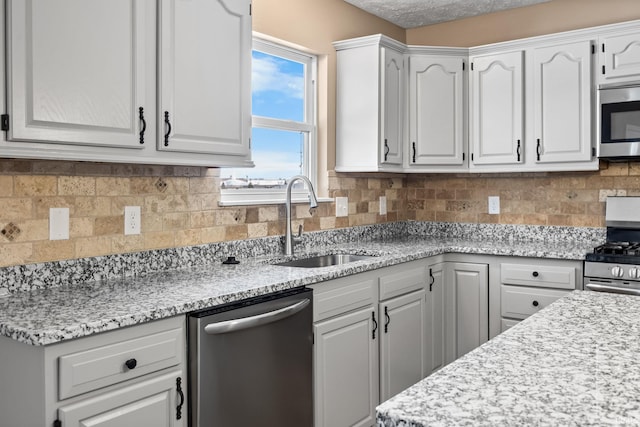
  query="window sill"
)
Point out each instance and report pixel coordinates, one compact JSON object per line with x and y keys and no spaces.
{"x":246,"y":201}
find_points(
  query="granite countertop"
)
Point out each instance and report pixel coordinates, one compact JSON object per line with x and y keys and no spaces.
{"x":54,"y":314}
{"x":574,"y":363}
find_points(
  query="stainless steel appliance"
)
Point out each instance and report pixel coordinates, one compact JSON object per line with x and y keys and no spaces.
{"x":620,"y":122}
{"x":250,"y":363}
{"x":615,"y":265}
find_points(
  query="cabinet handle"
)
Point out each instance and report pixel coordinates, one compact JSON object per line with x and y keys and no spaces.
{"x":386,"y":150}
{"x":536,"y":303}
{"x":414,"y":152}
{"x":538,"y":149}
{"x":535,"y":274}
{"x":144,"y":124}
{"x":432,"y":280}
{"x":168,"y":123}
{"x":181,"y":394}
{"x":518,"y":150}
{"x":388,"y":320}
{"x":131,"y":363}
{"x":375,"y":325}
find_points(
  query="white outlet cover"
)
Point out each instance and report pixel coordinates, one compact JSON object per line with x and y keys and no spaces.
{"x":494,"y":205}
{"x":131,"y":220}
{"x":59,"y":224}
{"x":383,"y":205}
{"x":342,"y":206}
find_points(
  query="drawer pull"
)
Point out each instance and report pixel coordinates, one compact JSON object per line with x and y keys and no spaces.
{"x":536,"y":274}
{"x":131,"y":363}
{"x":181,"y":395}
{"x":536,"y":303}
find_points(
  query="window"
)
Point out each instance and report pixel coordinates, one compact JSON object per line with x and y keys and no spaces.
{"x":283,"y":141}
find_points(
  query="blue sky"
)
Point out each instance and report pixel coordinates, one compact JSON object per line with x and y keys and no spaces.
{"x":277,"y":92}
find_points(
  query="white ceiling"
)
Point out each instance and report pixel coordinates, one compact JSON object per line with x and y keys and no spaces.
{"x":417,"y":13}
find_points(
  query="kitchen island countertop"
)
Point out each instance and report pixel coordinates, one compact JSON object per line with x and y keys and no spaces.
{"x":51,"y":315}
{"x":574,"y":363}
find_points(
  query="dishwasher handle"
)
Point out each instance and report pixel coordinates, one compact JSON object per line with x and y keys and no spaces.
{"x":253,"y":321}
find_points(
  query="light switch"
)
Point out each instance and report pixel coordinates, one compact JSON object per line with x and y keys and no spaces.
{"x":494,"y":205}
{"x":383,"y":205}
{"x":342,"y":206}
{"x":59,"y":224}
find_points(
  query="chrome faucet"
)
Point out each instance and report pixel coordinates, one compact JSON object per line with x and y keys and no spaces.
{"x":289,"y":239}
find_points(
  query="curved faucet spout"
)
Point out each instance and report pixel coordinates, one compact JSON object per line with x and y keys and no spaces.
{"x":289,"y":239}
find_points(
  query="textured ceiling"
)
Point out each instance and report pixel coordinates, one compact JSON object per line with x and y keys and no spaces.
{"x":417,"y":13}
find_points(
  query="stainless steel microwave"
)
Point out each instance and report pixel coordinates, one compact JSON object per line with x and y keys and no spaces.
{"x":620,"y":122}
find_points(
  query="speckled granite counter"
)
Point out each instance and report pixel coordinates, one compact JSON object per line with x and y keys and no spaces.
{"x":46,"y":315}
{"x":574,"y":363}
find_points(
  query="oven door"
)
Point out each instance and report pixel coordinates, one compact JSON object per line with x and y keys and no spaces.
{"x":620,"y":122}
{"x":612,"y":286}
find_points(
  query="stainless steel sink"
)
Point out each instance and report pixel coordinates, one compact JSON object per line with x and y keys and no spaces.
{"x":324,"y":260}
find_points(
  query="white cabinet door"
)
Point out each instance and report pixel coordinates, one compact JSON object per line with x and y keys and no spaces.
{"x":78,"y":70}
{"x":403,"y":346}
{"x":346,"y":370}
{"x":620,"y":58}
{"x":435,"y":323}
{"x":436,"y":112}
{"x":393,"y":90}
{"x":205,"y":76}
{"x":467,"y":308}
{"x":152,"y":403}
{"x":496,"y":97}
{"x":562,"y":102}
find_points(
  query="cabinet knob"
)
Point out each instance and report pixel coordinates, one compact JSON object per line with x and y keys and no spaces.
{"x":536,"y":303}
{"x":131,"y":363}
{"x":536,"y":274}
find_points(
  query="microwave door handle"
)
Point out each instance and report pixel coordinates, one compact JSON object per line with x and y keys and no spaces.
{"x":257,"y":320}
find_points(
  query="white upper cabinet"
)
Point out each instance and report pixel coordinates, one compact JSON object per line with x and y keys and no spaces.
{"x":77,"y":71}
{"x":562,"y":108}
{"x":619,"y":58}
{"x":205,"y":76}
{"x":370,"y":104}
{"x":436,"y":111}
{"x":496,"y":112}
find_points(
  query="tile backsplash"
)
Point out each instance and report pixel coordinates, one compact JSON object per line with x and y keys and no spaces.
{"x":179,"y":205}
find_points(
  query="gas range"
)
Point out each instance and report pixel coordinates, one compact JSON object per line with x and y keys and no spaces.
{"x":615,"y":265}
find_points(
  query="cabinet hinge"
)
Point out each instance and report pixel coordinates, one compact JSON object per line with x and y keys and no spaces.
{"x":462,"y":65}
{"x":249,"y":9}
{"x":463,"y":157}
{"x":472,"y":66}
{"x":602,"y":47}
{"x":603,"y":70}
{"x":593,"y":151}
{"x":593,"y":49}
{"x":4,"y":122}
{"x":57,"y":423}
{"x":472,"y":157}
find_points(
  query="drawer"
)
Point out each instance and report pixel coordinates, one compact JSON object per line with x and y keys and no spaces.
{"x":342,"y":295}
{"x":544,"y":276}
{"x":519,"y":302}
{"x":402,"y":282}
{"x":507,"y":323}
{"x":102,"y":366}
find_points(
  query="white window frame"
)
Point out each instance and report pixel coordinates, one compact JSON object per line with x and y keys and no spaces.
{"x":257,"y":196}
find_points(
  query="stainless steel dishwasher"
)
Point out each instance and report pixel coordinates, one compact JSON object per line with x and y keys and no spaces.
{"x":250,"y":362}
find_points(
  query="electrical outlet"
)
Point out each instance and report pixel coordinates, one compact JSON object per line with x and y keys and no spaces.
{"x":494,"y":205}
{"x":131,"y":220}
{"x":342,"y":206}
{"x":59,"y":224}
{"x":383,"y":205}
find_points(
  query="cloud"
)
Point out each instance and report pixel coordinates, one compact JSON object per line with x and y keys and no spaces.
{"x":271,"y":164}
{"x":268,"y":74}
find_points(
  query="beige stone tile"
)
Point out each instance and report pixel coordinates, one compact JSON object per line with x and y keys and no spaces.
{"x":35,"y":185}
{"x":268,"y":213}
{"x":236,"y":232}
{"x":189,"y":170}
{"x":327,"y":223}
{"x":175,"y":221}
{"x":202,"y":219}
{"x":108,"y":225}
{"x":168,"y":203}
{"x":212,"y":234}
{"x":231,"y":216}
{"x":586,"y":221}
{"x":159,"y":239}
{"x":16,"y":254}
{"x":18,"y":208}
{"x":188,"y":237}
{"x":118,"y":203}
{"x":15,"y":166}
{"x":80,"y":227}
{"x":177,"y":185}
{"x":143,"y":185}
{"x":93,"y":169}
{"x":564,"y":220}
{"x":151,"y":222}
{"x":615,"y":169}
{"x":128,"y":243}
{"x":113,"y":186}
{"x":31,"y":230}
{"x":255,"y":230}
{"x":90,"y":206}
{"x":534,"y":219}
{"x":92,"y":246}
{"x":207,"y":184}
{"x":53,"y":167}
{"x":53,"y":250}
{"x":76,"y":186}
{"x":302,"y":211}
{"x":6,"y":185}
{"x":576,"y":208}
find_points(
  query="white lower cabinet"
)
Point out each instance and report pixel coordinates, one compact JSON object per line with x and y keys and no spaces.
{"x":132,"y":377}
{"x":435,"y":322}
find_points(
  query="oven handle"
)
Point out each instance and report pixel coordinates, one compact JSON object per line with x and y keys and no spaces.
{"x":253,"y":321}
{"x":613,"y":289}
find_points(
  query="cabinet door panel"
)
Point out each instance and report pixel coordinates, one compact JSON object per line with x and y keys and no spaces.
{"x":436,"y":121}
{"x":77,"y":71}
{"x":435,"y":298}
{"x":346,"y":370}
{"x":205,"y":72}
{"x":393,"y":107}
{"x":621,"y":57}
{"x":149,"y":403}
{"x":403,"y":343}
{"x":562,"y":102}
{"x":496,"y":109}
